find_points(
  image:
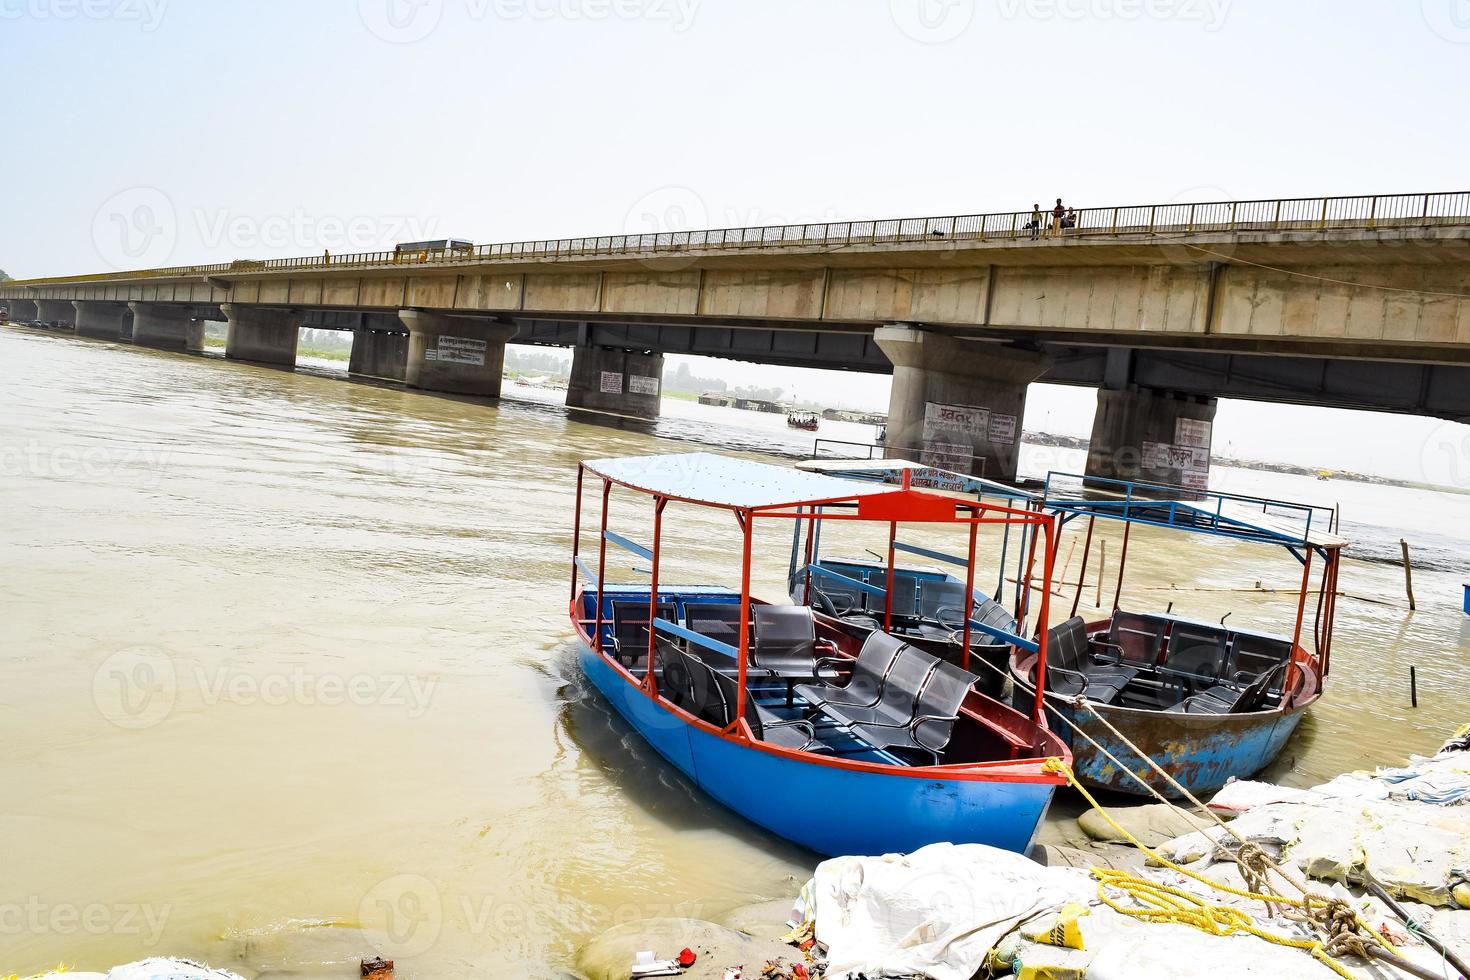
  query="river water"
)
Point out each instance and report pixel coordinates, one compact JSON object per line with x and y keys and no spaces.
{"x":286,"y":676}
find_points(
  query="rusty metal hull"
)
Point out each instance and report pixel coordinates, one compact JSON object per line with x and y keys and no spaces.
{"x":1202,"y":752}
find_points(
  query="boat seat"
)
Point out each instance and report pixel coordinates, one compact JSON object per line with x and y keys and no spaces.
{"x":717,"y":620}
{"x":857,"y":620}
{"x":905,"y":593}
{"x":785,"y":642}
{"x":869,"y":673}
{"x":765,"y":725}
{"x":1223,"y":699}
{"x":897,"y":704}
{"x":1252,"y":655}
{"x":942,"y":601}
{"x":1070,"y":669}
{"x":846,"y":599}
{"x":684,"y":682}
{"x":1137,"y":637}
{"x":630,"y":625}
{"x":932,"y":723}
{"x":1195,"y":658}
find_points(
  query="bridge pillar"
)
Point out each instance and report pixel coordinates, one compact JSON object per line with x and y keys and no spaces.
{"x":21,"y":309}
{"x":103,"y":321}
{"x":379,"y":355}
{"x":622,"y":382}
{"x":955,"y":399}
{"x":55,"y":311}
{"x":1154,"y":436}
{"x":167,"y":327}
{"x":267,"y":336}
{"x":454,"y":354}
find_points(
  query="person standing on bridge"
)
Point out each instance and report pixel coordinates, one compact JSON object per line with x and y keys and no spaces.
{"x":1057,"y":214}
{"x":1035,"y":226}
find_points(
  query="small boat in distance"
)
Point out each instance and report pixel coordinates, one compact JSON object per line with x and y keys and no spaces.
{"x":844,"y":740}
{"x":806,"y":421}
{"x":1207,"y":701}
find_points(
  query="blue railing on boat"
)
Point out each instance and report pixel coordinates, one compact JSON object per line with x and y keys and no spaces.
{"x":699,"y":639}
{"x":1205,"y":515}
{"x":914,"y":549}
{"x":628,"y":545}
{"x":591,"y":576}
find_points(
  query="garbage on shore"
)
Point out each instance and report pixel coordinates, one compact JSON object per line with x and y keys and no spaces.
{"x":950,"y":912}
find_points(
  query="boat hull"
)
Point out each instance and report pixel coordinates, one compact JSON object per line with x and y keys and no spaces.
{"x":1201,"y":752}
{"x":827,"y":807}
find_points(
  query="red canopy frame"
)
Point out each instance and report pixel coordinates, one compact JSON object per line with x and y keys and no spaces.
{"x":905,"y":505}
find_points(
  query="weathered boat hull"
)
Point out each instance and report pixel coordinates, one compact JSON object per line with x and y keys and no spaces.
{"x":823,"y":804}
{"x":1201,"y":752}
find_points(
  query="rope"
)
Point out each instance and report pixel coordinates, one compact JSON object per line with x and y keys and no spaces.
{"x":1344,"y":932}
{"x":1338,"y":920}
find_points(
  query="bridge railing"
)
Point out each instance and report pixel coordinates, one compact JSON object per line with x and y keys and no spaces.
{"x":1318,"y":214}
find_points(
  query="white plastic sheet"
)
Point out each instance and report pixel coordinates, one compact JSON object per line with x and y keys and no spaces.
{"x":934,"y":913}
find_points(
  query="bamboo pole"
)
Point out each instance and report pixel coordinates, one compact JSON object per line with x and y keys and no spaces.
{"x":1102,"y":567}
{"x":1408,"y":573}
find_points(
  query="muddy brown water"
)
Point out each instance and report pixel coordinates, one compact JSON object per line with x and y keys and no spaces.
{"x":286,"y":676}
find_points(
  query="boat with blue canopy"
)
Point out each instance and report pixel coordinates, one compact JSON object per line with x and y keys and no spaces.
{"x":844,"y":739}
{"x":925,"y":604}
{"x":1208,"y":701}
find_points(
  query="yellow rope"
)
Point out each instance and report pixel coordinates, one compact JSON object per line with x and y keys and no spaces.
{"x":1188,"y":909}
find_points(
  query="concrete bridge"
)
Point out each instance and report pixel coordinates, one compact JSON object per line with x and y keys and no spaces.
{"x":1359,"y":302}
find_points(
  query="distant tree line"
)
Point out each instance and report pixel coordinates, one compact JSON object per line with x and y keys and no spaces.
{"x":3,"y":276}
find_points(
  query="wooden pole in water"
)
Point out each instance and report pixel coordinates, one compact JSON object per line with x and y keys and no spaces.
{"x":1102,"y":567}
{"x":1413,"y":687}
{"x":1408,"y":573}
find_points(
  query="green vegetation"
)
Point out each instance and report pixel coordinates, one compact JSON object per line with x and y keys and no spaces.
{"x":320,"y":344}
{"x":3,"y":276}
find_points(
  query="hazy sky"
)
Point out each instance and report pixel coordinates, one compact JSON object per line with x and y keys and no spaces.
{"x":155,"y":132}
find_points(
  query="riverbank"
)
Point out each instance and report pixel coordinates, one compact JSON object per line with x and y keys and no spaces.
{"x":1362,"y":877}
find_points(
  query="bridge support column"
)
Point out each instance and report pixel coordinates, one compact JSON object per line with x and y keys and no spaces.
{"x":379,"y":355}
{"x":622,"y":382}
{"x":157,"y":325}
{"x":266,"y":336}
{"x":953,"y":400}
{"x":1154,"y":436}
{"x":51,"y":311}
{"x":103,"y":321}
{"x":21,"y":309}
{"x":454,"y":354}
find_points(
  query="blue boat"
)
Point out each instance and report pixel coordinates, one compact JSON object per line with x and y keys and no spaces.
{"x":1207,"y":701}
{"x":845,"y":740}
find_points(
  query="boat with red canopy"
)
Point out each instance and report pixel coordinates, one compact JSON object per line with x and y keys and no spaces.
{"x":844,"y":740}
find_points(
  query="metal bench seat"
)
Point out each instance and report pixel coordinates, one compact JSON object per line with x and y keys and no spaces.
{"x":630,"y":625}
{"x":869,"y":672}
{"x":1070,"y":669}
{"x":1224,"y":699}
{"x":929,"y":727}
